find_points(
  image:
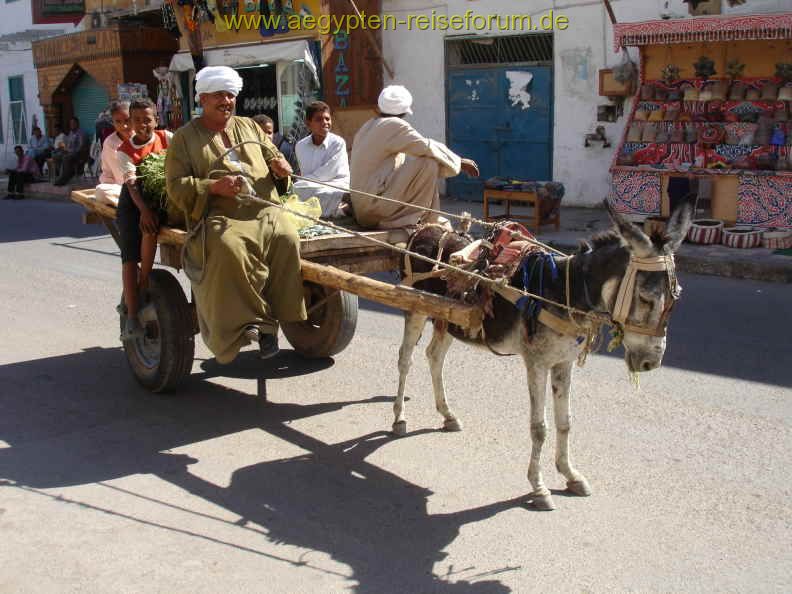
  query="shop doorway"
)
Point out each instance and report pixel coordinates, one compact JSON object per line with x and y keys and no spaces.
{"x":260,"y":91}
{"x":499,"y":97}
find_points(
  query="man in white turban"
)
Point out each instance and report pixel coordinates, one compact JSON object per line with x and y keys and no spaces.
{"x":390,"y":158}
{"x":250,"y":278}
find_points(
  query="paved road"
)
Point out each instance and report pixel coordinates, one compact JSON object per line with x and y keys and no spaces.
{"x":106,"y":488}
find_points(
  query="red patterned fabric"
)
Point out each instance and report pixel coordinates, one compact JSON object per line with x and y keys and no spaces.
{"x":738,"y":28}
{"x":765,"y":201}
{"x":635,"y":192}
{"x":137,"y":155}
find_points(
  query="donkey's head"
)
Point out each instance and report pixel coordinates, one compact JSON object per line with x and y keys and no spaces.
{"x":641,"y":300}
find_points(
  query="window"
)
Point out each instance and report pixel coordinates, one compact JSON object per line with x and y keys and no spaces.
{"x":16,"y":96}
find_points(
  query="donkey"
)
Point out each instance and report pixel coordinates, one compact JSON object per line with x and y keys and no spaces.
{"x":622,"y":273}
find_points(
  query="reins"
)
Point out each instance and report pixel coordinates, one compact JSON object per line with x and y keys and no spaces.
{"x":587,"y":330}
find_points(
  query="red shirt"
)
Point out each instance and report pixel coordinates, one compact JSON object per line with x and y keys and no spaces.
{"x":158,"y":144}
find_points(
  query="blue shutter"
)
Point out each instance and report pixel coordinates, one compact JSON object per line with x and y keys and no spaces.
{"x":89,"y":100}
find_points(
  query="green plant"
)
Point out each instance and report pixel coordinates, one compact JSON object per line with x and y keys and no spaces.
{"x":704,"y":67}
{"x":735,"y":68}
{"x":151,"y":172}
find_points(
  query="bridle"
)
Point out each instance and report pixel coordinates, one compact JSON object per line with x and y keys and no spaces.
{"x":624,"y":297}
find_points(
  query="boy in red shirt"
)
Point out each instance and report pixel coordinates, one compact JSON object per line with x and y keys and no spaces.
{"x":138,"y":221}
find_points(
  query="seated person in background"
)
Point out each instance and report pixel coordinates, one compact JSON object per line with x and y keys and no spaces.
{"x":24,"y":173}
{"x":280,"y":142}
{"x":39,"y":147}
{"x":380,"y":165}
{"x":111,"y":178}
{"x":76,"y":154}
{"x":138,"y":221}
{"x":58,"y":142}
{"x":322,"y":156}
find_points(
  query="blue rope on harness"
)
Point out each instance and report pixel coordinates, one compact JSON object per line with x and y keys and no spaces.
{"x":528,"y":306}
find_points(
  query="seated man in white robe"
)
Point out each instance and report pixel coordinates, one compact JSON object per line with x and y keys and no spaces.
{"x":322,"y":156}
{"x":390,"y":158}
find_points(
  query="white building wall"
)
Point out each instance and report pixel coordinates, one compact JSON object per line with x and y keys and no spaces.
{"x":581,"y":50}
{"x":16,"y":59}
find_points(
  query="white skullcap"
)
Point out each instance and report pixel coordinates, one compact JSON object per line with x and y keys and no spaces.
{"x":395,"y":100}
{"x":217,"y":78}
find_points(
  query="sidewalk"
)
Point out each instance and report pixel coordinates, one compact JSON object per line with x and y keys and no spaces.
{"x":576,"y":224}
{"x":580,"y":223}
{"x":46,"y":191}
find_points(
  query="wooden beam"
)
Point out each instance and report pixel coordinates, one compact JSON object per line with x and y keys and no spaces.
{"x":400,"y":297}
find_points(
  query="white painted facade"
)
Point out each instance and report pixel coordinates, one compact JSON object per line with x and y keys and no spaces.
{"x":580,"y":51}
{"x":16,"y":59}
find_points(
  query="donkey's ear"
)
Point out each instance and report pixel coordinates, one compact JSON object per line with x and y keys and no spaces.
{"x":584,"y":247}
{"x":679,"y":224}
{"x":638,"y":242}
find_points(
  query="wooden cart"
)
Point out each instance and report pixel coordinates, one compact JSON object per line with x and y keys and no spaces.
{"x":332,"y":268}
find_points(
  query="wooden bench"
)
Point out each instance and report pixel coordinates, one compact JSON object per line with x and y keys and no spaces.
{"x":534,"y":219}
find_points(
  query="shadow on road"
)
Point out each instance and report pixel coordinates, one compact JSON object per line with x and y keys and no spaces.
{"x":27,"y":220}
{"x":81,"y":419}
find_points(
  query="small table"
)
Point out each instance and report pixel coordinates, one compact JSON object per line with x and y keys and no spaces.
{"x":508,"y":196}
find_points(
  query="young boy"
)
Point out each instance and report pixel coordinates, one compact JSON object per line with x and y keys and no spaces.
{"x":138,"y":221}
{"x":323,"y":157}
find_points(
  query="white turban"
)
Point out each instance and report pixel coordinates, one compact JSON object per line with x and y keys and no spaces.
{"x":395,"y":100}
{"x":217,"y":78}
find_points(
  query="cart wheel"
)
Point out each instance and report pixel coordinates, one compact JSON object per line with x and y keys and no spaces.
{"x":164,"y":356}
{"x":332,"y":318}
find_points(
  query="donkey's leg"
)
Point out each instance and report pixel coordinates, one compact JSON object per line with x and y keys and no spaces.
{"x":537,"y":387}
{"x":413,"y":325}
{"x":436,"y":352}
{"x":561,"y":381}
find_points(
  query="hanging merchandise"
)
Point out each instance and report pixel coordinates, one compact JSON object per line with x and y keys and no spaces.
{"x":219,"y":21}
{"x":169,"y":22}
{"x":784,"y":71}
{"x":670,"y":73}
{"x":626,"y":71}
{"x":205,"y":14}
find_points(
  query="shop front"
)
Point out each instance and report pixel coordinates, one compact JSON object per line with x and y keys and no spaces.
{"x":280,"y":79}
{"x":78,"y":74}
{"x":713,"y":103}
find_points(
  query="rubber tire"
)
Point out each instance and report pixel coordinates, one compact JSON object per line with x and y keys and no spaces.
{"x":164,"y":371}
{"x":329,"y":329}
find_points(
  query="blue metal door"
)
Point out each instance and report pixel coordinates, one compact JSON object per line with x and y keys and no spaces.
{"x":502,"y":118}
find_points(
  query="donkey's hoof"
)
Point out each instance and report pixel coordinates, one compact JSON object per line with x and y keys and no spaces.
{"x":541,"y":502}
{"x":452,"y":425}
{"x":580,"y":488}
{"x":400,"y":428}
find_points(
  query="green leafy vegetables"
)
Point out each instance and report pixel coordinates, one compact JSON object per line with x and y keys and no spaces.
{"x":151,"y":172}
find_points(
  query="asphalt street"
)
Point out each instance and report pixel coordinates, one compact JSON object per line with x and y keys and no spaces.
{"x":105,"y":487}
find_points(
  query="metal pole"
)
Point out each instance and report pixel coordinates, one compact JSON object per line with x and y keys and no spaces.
{"x":373,"y":41}
{"x":609,"y":8}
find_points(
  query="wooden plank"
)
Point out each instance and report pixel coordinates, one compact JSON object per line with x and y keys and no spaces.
{"x":308,"y":247}
{"x":405,"y":298}
{"x":354,"y":260}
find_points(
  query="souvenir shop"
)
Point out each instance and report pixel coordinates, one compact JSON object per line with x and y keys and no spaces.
{"x":712,"y":102}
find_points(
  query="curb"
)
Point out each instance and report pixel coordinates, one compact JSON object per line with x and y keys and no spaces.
{"x":776,"y":270}
{"x":772,"y":271}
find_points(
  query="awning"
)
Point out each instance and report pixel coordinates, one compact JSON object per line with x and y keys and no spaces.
{"x":737,"y":28}
{"x":250,"y":55}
